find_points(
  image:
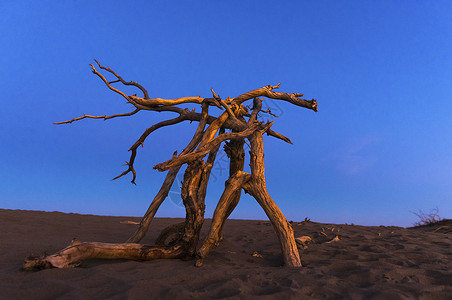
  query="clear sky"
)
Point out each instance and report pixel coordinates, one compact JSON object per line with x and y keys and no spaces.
{"x":379,"y":148}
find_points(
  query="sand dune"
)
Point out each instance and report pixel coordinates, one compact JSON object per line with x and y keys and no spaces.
{"x":362,"y":263}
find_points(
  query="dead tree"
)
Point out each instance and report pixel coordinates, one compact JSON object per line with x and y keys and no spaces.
{"x":233,"y":125}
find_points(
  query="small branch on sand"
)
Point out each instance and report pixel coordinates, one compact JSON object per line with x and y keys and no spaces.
{"x":444,"y":228}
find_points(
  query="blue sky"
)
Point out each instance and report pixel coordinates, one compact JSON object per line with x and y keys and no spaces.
{"x":379,"y":147}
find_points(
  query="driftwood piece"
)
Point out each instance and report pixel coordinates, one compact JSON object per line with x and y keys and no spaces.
{"x":232,"y":126}
{"x":74,"y":254}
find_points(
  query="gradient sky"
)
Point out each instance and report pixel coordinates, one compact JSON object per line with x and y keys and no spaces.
{"x":378,"y":149}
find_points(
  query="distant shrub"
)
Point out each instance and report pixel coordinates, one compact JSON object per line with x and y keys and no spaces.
{"x":427,"y":219}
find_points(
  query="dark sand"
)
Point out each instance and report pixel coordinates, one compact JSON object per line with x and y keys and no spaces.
{"x":367,"y":263}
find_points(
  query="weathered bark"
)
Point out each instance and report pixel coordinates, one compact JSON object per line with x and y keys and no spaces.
{"x":194,"y":205}
{"x":236,"y":155}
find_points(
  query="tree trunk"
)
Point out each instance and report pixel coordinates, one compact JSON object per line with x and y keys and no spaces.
{"x":257,"y":188}
{"x":233,"y":185}
{"x":236,"y":155}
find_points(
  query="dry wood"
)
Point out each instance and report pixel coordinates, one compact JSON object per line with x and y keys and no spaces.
{"x":256,"y":187}
{"x":166,"y":186}
{"x":233,"y":125}
{"x":74,"y":254}
{"x":446,"y":228}
{"x":233,"y":184}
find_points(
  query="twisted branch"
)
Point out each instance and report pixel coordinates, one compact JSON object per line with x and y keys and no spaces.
{"x":267,"y":91}
{"x":108,"y":83}
{"x":140,"y":141}
{"x":227,"y":120}
{"x":134,"y":83}
{"x":206,"y":148}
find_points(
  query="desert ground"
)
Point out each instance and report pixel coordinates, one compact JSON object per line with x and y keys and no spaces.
{"x":342,"y":262}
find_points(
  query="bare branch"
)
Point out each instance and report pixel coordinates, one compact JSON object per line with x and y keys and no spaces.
{"x":197,"y":137}
{"x":183,"y":117}
{"x":268,"y":111}
{"x":159,"y":101}
{"x":217,"y":99}
{"x":99,"y":117}
{"x":108,"y":83}
{"x":203,"y":149}
{"x":146,"y":101}
{"x":141,"y":140}
{"x":279,"y":136}
{"x":130,"y":168}
{"x":228,"y":120}
{"x":213,"y":129}
{"x":134,"y":83}
{"x":228,"y":109}
{"x":267,"y":91}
